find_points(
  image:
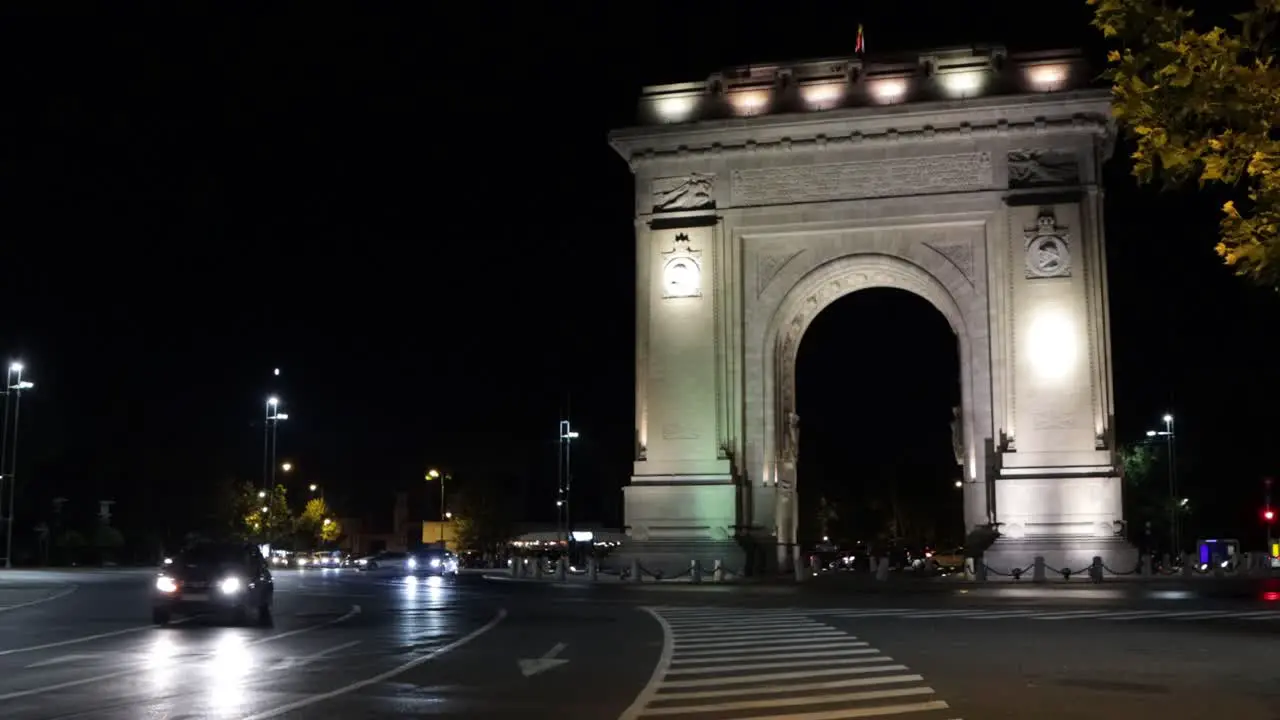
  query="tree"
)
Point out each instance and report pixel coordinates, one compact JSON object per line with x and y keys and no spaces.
{"x":264,"y":517}
{"x":481,"y":515}
{"x":1200,"y":106}
{"x":317,"y":525}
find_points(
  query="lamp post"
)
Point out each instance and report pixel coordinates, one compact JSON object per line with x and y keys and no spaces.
{"x":1171,"y":446}
{"x":434,"y":474}
{"x":14,"y":385}
{"x":564,"y":517}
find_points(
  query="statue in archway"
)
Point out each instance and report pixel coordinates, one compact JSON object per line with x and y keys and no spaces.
{"x":793,"y":435}
{"x":957,"y":435}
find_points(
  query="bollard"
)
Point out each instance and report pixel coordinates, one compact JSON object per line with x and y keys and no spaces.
{"x":695,"y":571}
{"x":882,"y":569}
{"x":1188,"y":565}
{"x":1147,"y":570}
{"x":562,"y":569}
{"x":979,"y":570}
{"x":970,"y":568}
{"x":717,"y":574}
{"x":1218,"y":571}
{"x":593,"y":569}
{"x":797,"y":567}
{"x":1037,"y":569}
{"x":1095,"y":569}
{"x":515,"y":567}
{"x":537,"y":568}
{"x":1166,"y":563}
{"x":635,"y":571}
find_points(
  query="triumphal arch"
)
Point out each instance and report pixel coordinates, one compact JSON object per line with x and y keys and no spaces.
{"x":972,"y":178}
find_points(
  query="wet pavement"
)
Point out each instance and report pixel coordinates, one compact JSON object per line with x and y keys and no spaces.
{"x":353,"y":645}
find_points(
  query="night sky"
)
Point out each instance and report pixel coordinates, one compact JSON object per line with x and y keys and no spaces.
{"x":416,"y":217}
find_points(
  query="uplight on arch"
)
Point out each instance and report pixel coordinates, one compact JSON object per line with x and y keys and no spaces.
{"x":1052,"y":345}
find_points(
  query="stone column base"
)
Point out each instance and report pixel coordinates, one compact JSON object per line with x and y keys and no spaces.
{"x":672,"y":557}
{"x":1076,"y":553}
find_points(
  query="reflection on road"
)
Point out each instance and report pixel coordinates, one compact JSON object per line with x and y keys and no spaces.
{"x":227,"y":674}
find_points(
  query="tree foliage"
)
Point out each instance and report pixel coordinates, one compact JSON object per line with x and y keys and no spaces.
{"x":317,"y":525}
{"x":481,"y":511}
{"x":1137,"y":463}
{"x":1200,"y":104}
{"x":264,"y":517}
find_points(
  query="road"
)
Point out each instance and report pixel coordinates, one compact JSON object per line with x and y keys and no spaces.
{"x":350,"y":645}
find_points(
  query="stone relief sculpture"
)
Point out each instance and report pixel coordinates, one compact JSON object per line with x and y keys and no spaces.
{"x":957,"y":435}
{"x":1041,"y":168}
{"x":687,"y":193}
{"x":1048,"y":252}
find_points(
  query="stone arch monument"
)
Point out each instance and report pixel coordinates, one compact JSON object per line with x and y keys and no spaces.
{"x":971,"y":178}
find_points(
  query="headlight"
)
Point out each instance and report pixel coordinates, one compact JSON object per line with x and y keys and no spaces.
{"x":168,"y":561}
{"x":435,"y":562}
{"x":362,"y":561}
{"x":413,"y":562}
{"x":230,"y":585}
{"x":165,"y":584}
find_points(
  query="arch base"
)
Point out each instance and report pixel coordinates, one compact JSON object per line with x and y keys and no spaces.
{"x":1059,"y":553}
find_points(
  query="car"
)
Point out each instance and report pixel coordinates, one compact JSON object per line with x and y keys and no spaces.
{"x":387,"y":560}
{"x":214,"y":578}
{"x":433,"y":561}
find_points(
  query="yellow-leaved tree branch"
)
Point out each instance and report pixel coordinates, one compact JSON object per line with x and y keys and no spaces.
{"x":1200,"y":104}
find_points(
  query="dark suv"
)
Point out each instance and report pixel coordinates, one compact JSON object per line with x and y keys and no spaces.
{"x":224,"y":578}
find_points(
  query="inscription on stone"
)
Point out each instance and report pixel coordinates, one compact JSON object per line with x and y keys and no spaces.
{"x":868,"y":179}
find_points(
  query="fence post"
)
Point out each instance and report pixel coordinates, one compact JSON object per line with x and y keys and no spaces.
{"x":562,"y":568}
{"x":882,"y":569}
{"x":1188,"y":565}
{"x":538,"y":568}
{"x":695,"y":571}
{"x":593,"y":568}
{"x":1037,"y":569}
{"x":1147,"y":570}
{"x":1095,"y":569}
{"x":635,"y":570}
{"x":717,"y":573}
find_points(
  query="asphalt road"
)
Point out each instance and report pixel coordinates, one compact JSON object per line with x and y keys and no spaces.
{"x":348,"y":645}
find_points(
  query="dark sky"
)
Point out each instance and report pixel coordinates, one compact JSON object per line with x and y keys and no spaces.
{"x":415,"y":215}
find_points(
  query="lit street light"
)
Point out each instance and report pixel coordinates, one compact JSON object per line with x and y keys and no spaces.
{"x":1170,"y":437}
{"x":564,"y":519}
{"x":287,"y":467}
{"x":313,"y":487}
{"x":432,"y":475}
{"x":959,"y":483}
{"x":14,"y":385}
{"x":262,"y":493}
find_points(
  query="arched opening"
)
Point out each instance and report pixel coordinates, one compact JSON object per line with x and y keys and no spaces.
{"x":878,"y":389}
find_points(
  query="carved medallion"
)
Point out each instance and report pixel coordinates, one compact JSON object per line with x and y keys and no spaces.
{"x":1048,"y":250}
{"x":682,"y":271}
{"x":691,"y":192}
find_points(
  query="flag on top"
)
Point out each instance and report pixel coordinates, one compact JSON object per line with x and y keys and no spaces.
{"x":859,"y":46}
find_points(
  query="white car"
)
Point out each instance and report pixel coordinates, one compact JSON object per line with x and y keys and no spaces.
{"x":385,"y":561}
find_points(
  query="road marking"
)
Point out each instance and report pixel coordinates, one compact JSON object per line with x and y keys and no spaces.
{"x":529,"y":668}
{"x":297,"y":662}
{"x":382,"y":677}
{"x":355,"y":610}
{"x":833,"y":668}
{"x":29,"y":603}
{"x":811,"y":700}
{"x":65,"y":659}
{"x":786,"y":656}
{"x":76,"y":641}
{"x":799,"y":631}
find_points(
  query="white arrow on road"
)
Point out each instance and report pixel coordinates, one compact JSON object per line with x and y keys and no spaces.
{"x":529,"y":668}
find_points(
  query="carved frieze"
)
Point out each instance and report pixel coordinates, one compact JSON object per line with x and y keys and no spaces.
{"x":1048,"y":249}
{"x":769,"y":265}
{"x":1042,"y":168}
{"x":681,"y":269}
{"x":867,"y":179}
{"x":687,"y":192}
{"x":959,"y":254}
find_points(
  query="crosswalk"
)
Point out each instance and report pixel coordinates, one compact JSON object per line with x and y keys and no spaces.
{"x":1012,"y":613}
{"x":1043,"y":614}
{"x":726,"y":664}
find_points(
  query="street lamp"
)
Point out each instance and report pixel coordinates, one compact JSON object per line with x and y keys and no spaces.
{"x":269,"y":429}
{"x":564,"y":517}
{"x":312,"y":487}
{"x":959,"y":483}
{"x":1171,"y":445}
{"x":13,"y":387}
{"x":287,"y":467}
{"x":434,"y":474}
